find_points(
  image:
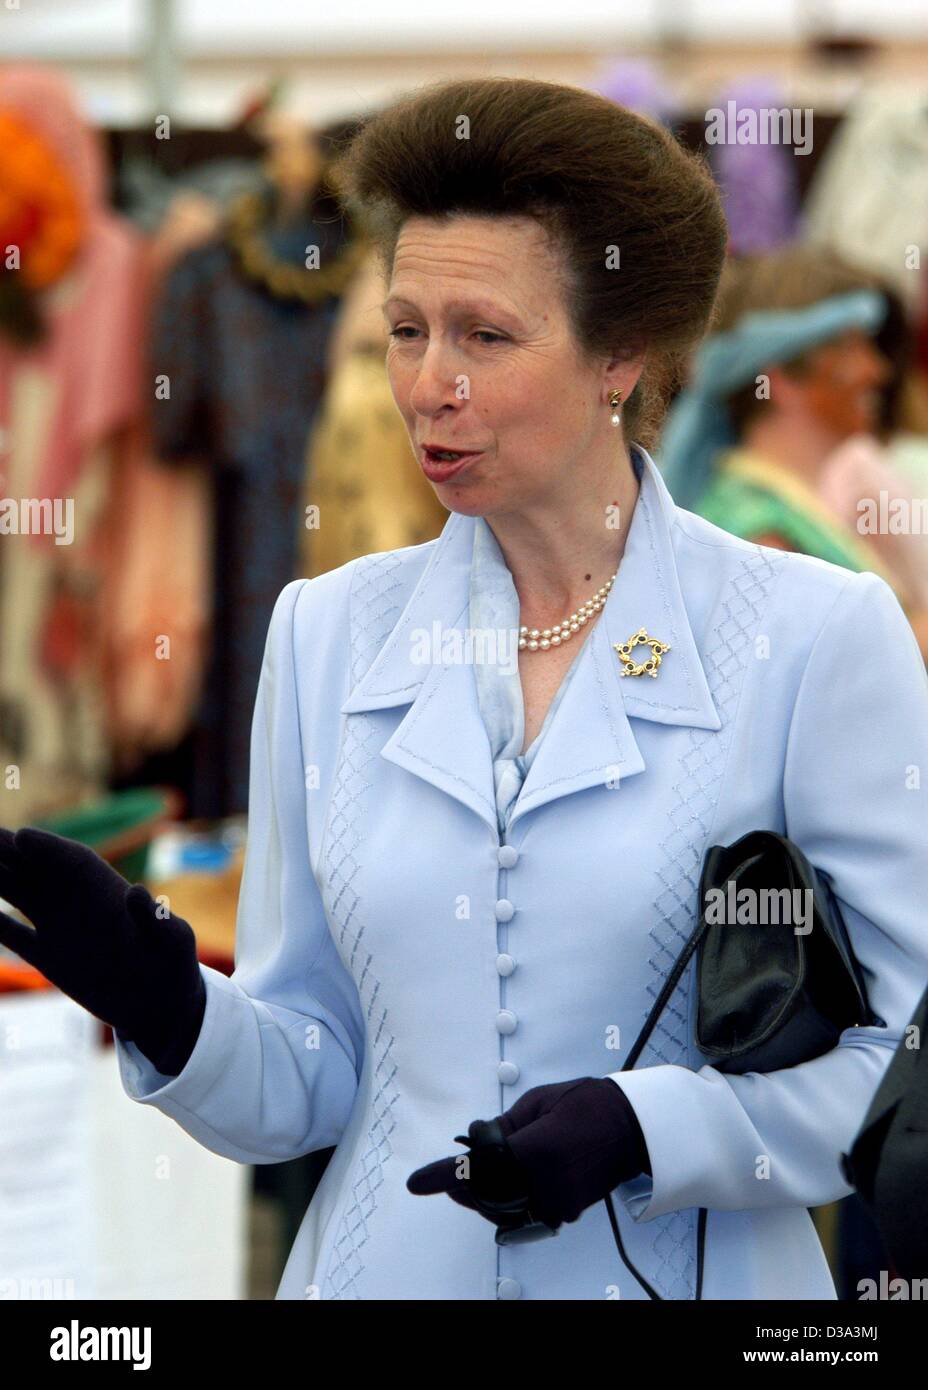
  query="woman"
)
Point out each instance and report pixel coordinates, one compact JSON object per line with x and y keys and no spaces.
{"x":793,"y":374}
{"x":462,"y":890}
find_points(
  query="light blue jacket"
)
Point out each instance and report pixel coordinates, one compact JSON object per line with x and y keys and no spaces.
{"x":400,"y":971}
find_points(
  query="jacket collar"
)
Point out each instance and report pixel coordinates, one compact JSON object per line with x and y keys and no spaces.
{"x":590,"y":741}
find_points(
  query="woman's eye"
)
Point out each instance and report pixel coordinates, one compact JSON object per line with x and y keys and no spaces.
{"x":407,"y":328}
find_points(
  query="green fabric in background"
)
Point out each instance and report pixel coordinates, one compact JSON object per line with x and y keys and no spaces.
{"x":119,"y":826}
{"x":749,"y":511}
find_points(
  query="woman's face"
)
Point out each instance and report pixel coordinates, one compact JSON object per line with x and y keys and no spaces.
{"x":840,"y":389}
{"x":481,"y":358}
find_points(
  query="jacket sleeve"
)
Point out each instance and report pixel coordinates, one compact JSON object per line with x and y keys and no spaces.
{"x":857,"y":746}
{"x":276,"y":1066}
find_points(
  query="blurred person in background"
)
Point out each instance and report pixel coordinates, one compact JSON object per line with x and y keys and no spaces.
{"x":790,"y":377}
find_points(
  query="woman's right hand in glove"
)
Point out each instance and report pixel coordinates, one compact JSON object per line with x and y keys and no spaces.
{"x":100,"y":940}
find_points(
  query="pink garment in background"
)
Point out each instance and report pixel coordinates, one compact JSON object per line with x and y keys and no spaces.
{"x":156,"y":585}
{"x":861,"y":468}
{"x":156,"y":576}
{"x":150,"y":549}
{"x":94,"y":346}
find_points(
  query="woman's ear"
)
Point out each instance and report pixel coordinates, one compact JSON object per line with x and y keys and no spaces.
{"x":624,"y":368}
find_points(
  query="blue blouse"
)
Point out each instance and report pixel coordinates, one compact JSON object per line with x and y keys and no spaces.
{"x":494,"y":607}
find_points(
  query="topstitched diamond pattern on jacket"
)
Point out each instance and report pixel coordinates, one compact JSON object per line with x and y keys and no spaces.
{"x":375,"y":609}
{"x":683,"y":850}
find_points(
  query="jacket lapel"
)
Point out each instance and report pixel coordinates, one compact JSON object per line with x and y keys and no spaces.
{"x":590,"y":740}
{"x":441,"y":738}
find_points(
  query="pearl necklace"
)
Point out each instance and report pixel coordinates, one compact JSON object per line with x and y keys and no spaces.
{"x":534,"y":640}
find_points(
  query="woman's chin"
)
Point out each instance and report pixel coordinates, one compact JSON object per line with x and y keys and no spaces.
{"x":464,"y":505}
{"x":469,"y":500}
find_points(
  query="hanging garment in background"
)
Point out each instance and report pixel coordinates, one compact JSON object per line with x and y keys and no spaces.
{"x":158,"y":578}
{"x":245,"y":370}
{"x":362,"y":473}
{"x":158,"y":596}
{"x":68,"y":404}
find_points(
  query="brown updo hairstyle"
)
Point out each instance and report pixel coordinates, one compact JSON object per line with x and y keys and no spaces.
{"x":796,"y":276}
{"x":593,"y":174}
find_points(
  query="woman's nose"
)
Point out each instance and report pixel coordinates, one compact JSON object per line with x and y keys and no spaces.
{"x":436,"y":383}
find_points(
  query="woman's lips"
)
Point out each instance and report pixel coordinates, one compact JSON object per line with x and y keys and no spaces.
{"x":439,"y":471}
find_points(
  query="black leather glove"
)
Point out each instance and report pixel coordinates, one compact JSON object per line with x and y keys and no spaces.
{"x":569,"y":1145}
{"x":98,"y":939}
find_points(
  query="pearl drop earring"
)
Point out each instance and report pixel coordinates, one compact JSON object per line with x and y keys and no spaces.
{"x":615,"y":400}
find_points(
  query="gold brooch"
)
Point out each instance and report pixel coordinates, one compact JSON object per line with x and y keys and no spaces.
{"x":645,"y":668}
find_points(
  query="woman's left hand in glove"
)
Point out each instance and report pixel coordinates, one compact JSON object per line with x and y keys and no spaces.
{"x":567,"y":1145}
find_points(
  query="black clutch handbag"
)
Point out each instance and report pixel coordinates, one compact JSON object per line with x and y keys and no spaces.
{"x":776,"y":979}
